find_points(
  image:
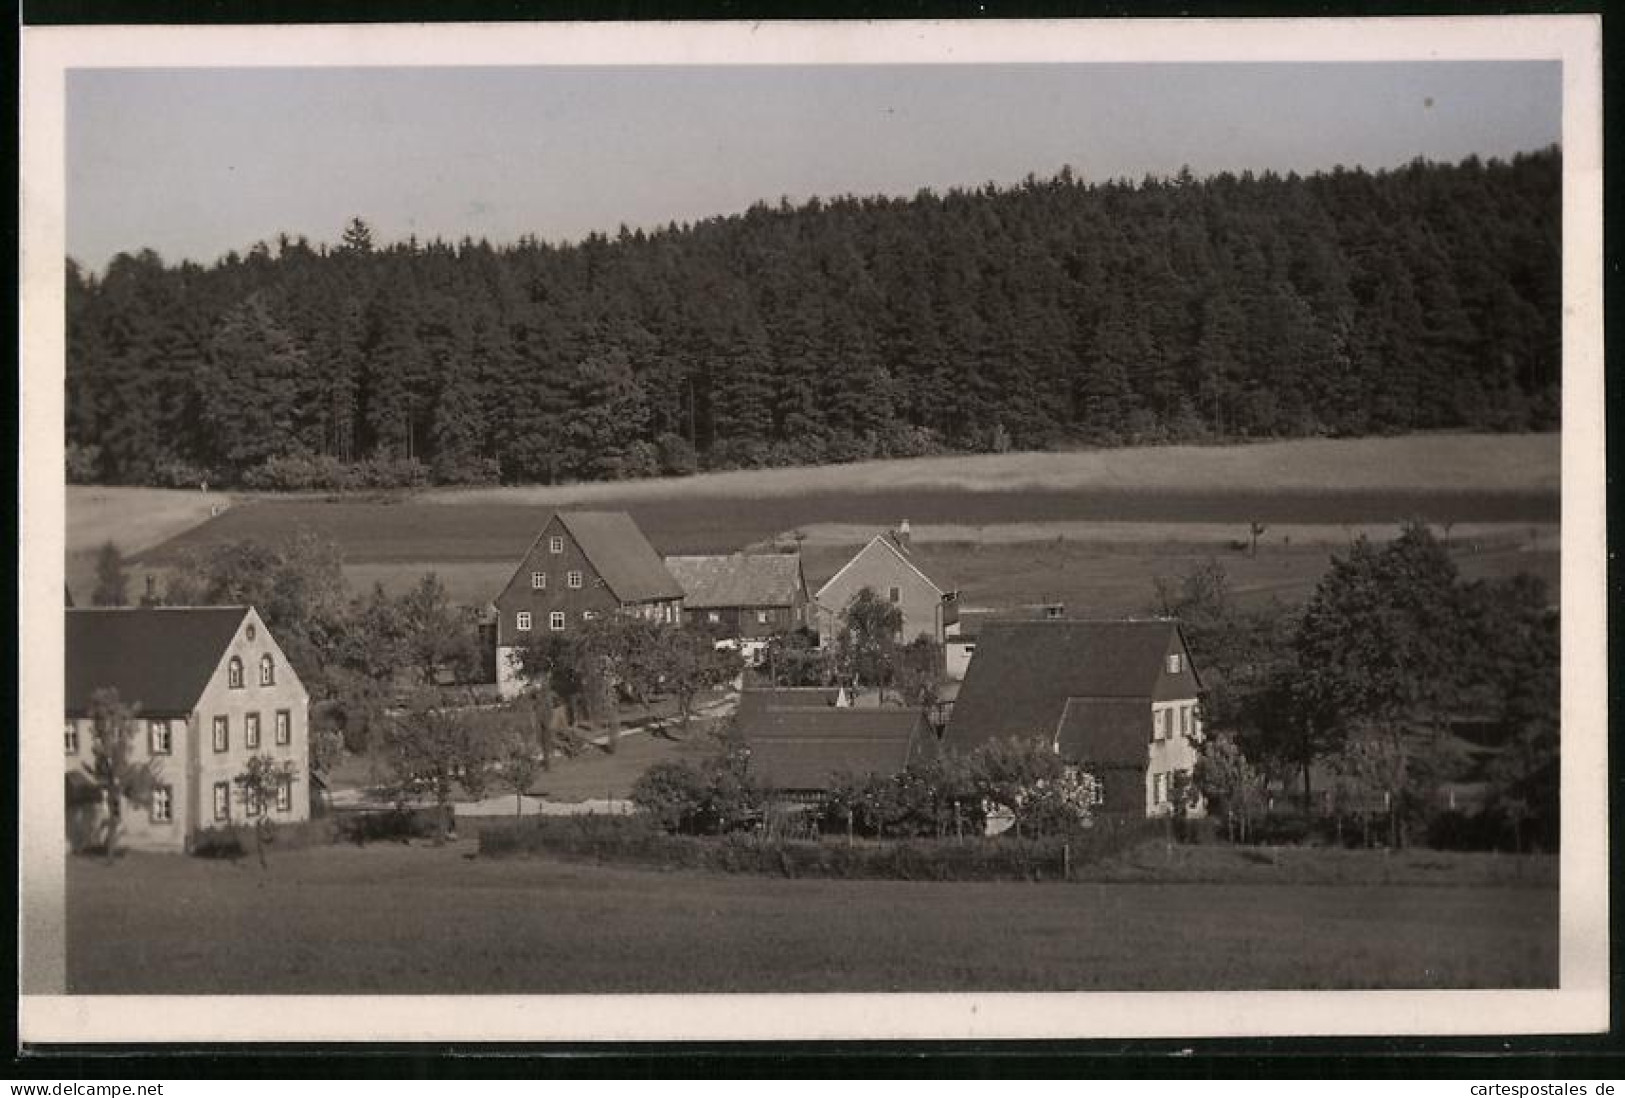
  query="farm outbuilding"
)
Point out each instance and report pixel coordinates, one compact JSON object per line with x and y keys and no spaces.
{"x":801,"y":741}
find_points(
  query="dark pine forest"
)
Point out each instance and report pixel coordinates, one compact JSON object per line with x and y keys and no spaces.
{"x":1050,"y":313}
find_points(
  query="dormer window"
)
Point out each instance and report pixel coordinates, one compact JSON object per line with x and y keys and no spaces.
{"x":234,"y":674}
{"x":555,"y":544}
{"x":1175,"y":663}
{"x":267,"y":670}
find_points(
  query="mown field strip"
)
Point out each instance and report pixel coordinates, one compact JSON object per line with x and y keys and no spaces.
{"x":390,"y":919}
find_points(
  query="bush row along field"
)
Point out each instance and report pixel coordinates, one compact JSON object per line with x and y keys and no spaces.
{"x":346,"y":920}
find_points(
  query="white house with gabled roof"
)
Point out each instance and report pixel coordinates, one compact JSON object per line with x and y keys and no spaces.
{"x":886,"y":566}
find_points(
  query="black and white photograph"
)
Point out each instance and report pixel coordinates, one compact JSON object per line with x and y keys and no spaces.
{"x":821,"y":530}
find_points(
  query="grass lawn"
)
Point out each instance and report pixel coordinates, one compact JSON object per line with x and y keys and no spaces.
{"x":421,"y":919}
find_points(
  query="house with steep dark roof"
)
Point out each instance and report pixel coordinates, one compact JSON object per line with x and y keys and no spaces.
{"x":582,"y":565}
{"x":886,"y":566}
{"x":1116,"y":698}
{"x":745,"y":597}
{"x":210,"y":689}
{"x":800,"y":741}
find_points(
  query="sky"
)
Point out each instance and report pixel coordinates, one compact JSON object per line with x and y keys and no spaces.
{"x":193,"y":163}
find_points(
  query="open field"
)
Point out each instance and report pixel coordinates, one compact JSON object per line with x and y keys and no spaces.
{"x":134,"y":519}
{"x":1516,"y":463}
{"x":1088,"y":528}
{"x":420,"y":919}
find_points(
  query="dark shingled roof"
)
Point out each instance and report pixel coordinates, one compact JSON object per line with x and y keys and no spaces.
{"x":1024,"y":672}
{"x":1105,"y":731}
{"x":621,"y":554}
{"x":754,"y":579}
{"x":161,"y":657}
{"x":804,"y":748}
{"x":754,"y":702}
{"x":972,"y":620}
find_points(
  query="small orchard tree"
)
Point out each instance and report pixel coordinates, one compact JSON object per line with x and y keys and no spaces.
{"x":920,"y":671}
{"x":522,"y":764}
{"x":113,"y":770}
{"x":262,"y":782}
{"x":1225,"y":776}
{"x":1028,"y":779}
{"x":432,"y":749}
{"x":112,"y":584}
{"x":692,"y":664}
{"x":866,"y":649}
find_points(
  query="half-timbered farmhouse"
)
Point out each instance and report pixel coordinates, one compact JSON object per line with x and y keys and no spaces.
{"x":583,"y":564}
{"x":1117,"y":698}
{"x":746,"y":597}
{"x":210,"y":689}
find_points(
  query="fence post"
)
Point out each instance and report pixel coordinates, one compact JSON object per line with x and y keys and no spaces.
{"x":1066,"y":861}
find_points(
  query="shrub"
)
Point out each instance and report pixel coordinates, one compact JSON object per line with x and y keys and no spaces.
{"x":640,"y":840}
{"x":388,"y":825}
{"x":708,"y":797}
{"x":471,"y":471}
{"x":176,"y":473}
{"x":237,"y":841}
{"x":677,"y":457}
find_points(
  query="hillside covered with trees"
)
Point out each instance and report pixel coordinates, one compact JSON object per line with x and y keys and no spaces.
{"x":1050,"y":313}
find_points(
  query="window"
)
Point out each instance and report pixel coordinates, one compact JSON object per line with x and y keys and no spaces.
{"x":267,"y":670}
{"x":896,"y":594}
{"x":222,"y":800}
{"x":555,"y":620}
{"x":1167,"y":724}
{"x":251,"y":730}
{"x":713,"y":616}
{"x":538,"y":581}
{"x":234,"y":674}
{"x":70,"y":738}
{"x":1174,"y":663}
{"x":1184,"y":720}
{"x":222,"y":733}
{"x":521,"y":621}
{"x":1159,"y":788}
{"x":1097,"y":794}
{"x":251,"y":632}
{"x":588,"y":615}
{"x":671,"y":613}
{"x":251,"y":802}
{"x":284,"y":795}
{"x":761,"y":617}
{"x":159,"y":739}
{"x":573,"y":581}
{"x":284,"y":727}
{"x":970,"y":650}
{"x":555,"y":545}
{"x":163,"y":804}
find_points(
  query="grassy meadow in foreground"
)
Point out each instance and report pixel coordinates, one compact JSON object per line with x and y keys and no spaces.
{"x":421,"y":919}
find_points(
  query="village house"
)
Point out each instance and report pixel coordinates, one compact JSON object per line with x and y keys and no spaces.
{"x":885,"y":567}
{"x":582,"y":565}
{"x":210,"y":689}
{"x":800,"y":740}
{"x":743,"y":598}
{"x":1116,"y":698}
